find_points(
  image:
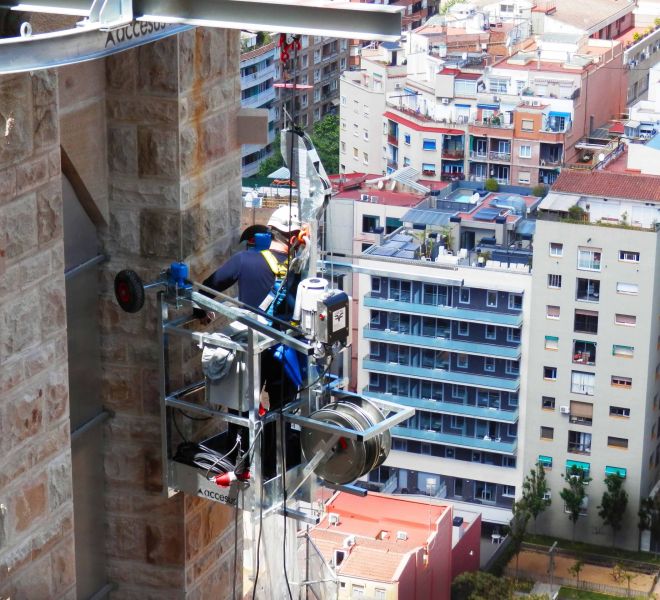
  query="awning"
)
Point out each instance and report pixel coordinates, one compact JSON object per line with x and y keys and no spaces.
{"x":620,"y":471}
{"x":632,"y":124}
{"x":489,"y":106}
{"x":281,"y":173}
{"x":584,"y":466}
{"x":546,"y":461}
{"x":558,"y":202}
{"x":564,"y":115}
{"x":583,"y":410}
{"x":457,"y":105}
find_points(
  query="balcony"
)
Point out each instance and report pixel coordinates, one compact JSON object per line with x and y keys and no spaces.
{"x":258,"y":100}
{"x":392,"y":164}
{"x":449,"y":408}
{"x":447,"y":312}
{"x":439,"y":343}
{"x":459,"y":441}
{"x":393,"y":140}
{"x":584,"y":353}
{"x":584,"y":449}
{"x":442,"y":374}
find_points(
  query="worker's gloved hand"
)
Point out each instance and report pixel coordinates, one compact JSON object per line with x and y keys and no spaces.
{"x":203,"y":316}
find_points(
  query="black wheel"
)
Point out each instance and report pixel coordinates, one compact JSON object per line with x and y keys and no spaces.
{"x":129,"y":291}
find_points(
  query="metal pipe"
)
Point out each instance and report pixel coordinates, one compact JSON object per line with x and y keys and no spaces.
{"x":96,"y":260}
{"x":97,"y":419}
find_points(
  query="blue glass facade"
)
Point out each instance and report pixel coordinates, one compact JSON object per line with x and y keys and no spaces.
{"x":453,"y":353}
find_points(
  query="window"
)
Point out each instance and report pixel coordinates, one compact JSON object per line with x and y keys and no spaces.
{"x":489,"y":363}
{"x":584,"y":352}
{"x":619,"y":411}
{"x":588,"y":259}
{"x":515,"y":301}
{"x":498,"y":86}
{"x":343,"y":100}
{"x":491,"y":332}
{"x":509,"y":491}
{"x":370,"y":223}
{"x":623,"y":351}
{"x":627,"y":320}
{"x":355,"y":129}
{"x":547,"y":433}
{"x":579,"y":442}
{"x":628,"y":256}
{"x":456,"y":422}
{"x":462,"y":361}
{"x":583,"y":383}
{"x":357,"y":591}
{"x":343,"y":147}
{"x":375,"y":284}
{"x":464,"y":296}
{"x":512,"y":335}
{"x":365,"y":158}
{"x":587,"y":290}
{"x":525,"y":151}
{"x":428,"y":144}
{"x":545,"y":461}
{"x":627,"y":288}
{"x":617,"y":442}
{"x":547,"y":403}
{"x":379,"y":594}
{"x":556,"y":249}
{"x":524,"y":177}
{"x":512,"y":367}
{"x":527,"y":125}
{"x":586,"y":321}
{"x":550,"y":373}
{"x":552,"y":311}
{"x":365,"y":134}
{"x":463,"y":328}
{"x":406,"y":139}
{"x":551,"y":342}
{"x":619,"y":381}
{"x":428,"y":168}
{"x":582,"y":413}
{"x":491,"y":298}
{"x":554,"y":281}
{"x":355,"y":153}
{"x":459,"y":392}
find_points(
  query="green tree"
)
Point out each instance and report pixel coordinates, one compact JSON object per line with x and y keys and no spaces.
{"x":478,"y":585}
{"x":518,"y":528}
{"x":535,"y":492}
{"x":575,"y":570}
{"x":274,"y":161}
{"x":325,"y":137}
{"x":491,"y":185}
{"x":613,"y":505}
{"x":574,"y":494}
{"x":576,"y":213}
{"x":649,"y":517}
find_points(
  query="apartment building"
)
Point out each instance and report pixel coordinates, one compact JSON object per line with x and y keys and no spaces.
{"x":319,"y":64}
{"x":394,"y":548}
{"x":594,"y":363}
{"x":518,"y":120}
{"x":642,"y":46}
{"x":257,"y":67}
{"x":439,"y":333}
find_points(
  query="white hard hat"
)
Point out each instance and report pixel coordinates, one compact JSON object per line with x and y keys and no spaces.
{"x":285,"y":219}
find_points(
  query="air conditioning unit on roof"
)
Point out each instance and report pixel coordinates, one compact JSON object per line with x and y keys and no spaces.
{"x":333,"y":519}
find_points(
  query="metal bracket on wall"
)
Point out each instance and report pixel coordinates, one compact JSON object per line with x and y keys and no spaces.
{"x":108,"y":26}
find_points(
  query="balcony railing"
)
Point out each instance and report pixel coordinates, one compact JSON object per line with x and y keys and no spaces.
{"x":447,"y":312}
{"x":457,"y":440}
{"x":476,"y":155}
{"x":392,"y":164}
{"x":499,"y":156}
{"x":462,"y":346}
{"x":579,"y":448}
{"x":393,"y":140}
{"x":442,"y":373}
{"x":453,"y":154}
{"x":450,"y":408}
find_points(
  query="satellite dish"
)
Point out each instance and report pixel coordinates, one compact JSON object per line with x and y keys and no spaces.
{"x":601,"y":157}
{"x":380,"y":184}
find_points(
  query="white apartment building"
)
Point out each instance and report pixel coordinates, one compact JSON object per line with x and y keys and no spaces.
{"x":594,"y":358}
{"x":362,"y":104}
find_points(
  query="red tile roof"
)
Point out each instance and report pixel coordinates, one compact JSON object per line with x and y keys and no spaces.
{"x":609,"y":185}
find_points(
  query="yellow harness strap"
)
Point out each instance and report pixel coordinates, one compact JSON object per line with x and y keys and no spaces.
{"x":279,"y":269}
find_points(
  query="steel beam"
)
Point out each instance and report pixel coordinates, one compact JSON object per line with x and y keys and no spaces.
{"x":305,"y":17}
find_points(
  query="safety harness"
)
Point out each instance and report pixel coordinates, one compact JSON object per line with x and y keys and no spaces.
{"x":280,"y":270}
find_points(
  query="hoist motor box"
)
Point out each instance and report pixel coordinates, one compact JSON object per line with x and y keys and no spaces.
{"x":332,"y":318}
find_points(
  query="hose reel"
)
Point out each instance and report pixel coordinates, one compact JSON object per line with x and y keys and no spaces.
{"x":349,"y":458}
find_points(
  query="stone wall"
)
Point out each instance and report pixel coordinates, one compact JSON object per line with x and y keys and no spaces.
{"x":36,"y":512}
{"x":174,"y":193}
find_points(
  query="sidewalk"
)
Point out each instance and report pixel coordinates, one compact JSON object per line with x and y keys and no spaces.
{"x":544,"y":588}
